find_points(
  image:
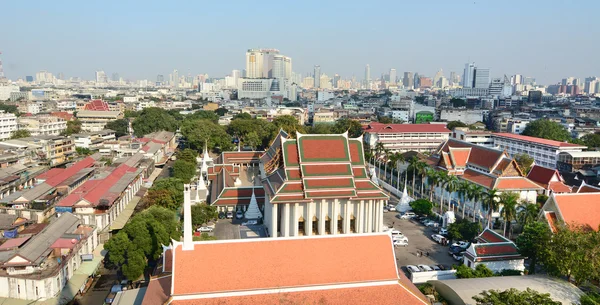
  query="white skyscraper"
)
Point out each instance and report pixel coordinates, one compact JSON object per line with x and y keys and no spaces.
{"x":482,"y":78}
{"x":101,"y":77}
{"x":259,"y":63}
{"x":175,"y":78}
{"x":317,"y":77}
{"x":468,"y":75}
{"x":282,"y":67}
{"x":393,"y":76}
{"x":367,"y":77}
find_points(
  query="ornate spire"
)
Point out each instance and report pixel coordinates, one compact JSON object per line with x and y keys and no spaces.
{"x":253,"y":212}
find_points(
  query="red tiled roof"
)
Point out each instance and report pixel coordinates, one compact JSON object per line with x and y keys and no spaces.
{"x":536,"y":140}
{"x":70,"y":171}
{"x":376,"y":295}
{"x":64,"y":243}
{"x":158,"y":291}
{"x":582,"y":208}
{"x":489,"y":236}
{"x":460,"y":156}
{"x":266,"y":263}
{"x":323,"y":148}
{"x":559,"y":187}
{"x":515,"y":183}
{"x":63,"y":115}
{"x":49,"y":174}
{"x":311,"y":184}
{"x":542,"y":175}
{"x":356,"y":152}
{"x":480,"y":156}
{"x":97,"y":105}
{"x":552,"y":220}
{"x":343,"y":169}
{"x":13,"y":243}
{"x":496,"y":249}
{"x":478,"y":178}
{"x":586,"y":188}
{"x":400,"y":128}
{"x":168,"y":266}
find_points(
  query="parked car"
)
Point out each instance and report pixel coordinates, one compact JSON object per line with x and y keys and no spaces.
{"x":391,"y":208}
{"x":412,"y":269}
{"x":385,"y":209}
{"x":408,"y":215}
{"x":229,"y":215}
{"x":430,"y":223}
{"x":437,"y":238}
{"x":436,"y":268}
{"x":443,"y":231}
{"x":211,"y":225}
{"x":204,"y":229}
{"x":399,"y":237}
{"x":400,"y":242}
{"x":222,"y":215}
{"x":250,"y":222}
{"x":239,"y":214}
{"x":110,"y":298}
{"x":463,"y":244}
{"x":442,"y":267}
{"x":458,"y":256}
{"x":425,"y":268}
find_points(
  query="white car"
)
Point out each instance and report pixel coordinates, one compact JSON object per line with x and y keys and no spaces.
{"x":462,"y":244}
{"x":400,"y":243}
{"x":443,"y":231}
{"x":205,"y":229}
{"x":412,"y":269}
{"x":425,"y":268}
{"x":430,"y":223}
{"x":437,"y":238}
{"x":408,"y":215}
{"x":391,"y":208}
{"x":250,"y":223}
{"x":458,"y":256}
{"x":239,"y":214}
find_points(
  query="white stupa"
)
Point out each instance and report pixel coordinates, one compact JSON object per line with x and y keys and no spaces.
{"x":205,"y":160}
{"x":253,"y":212}
{"x":374,"y":176}
{"x":404,"y":203}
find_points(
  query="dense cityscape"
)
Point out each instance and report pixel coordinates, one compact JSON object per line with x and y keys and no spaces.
{"x":292,"y":179}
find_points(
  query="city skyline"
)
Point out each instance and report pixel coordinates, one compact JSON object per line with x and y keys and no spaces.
{"x":140,"y":42}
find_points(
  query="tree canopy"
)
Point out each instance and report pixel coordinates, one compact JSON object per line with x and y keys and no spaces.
{"x":183,"y":170}
{"x":453,"y":124}
{"x":463,"y":229}
{"x":546,"y":129}
{"x":152,"y":120}
{"x":21,"y":133}
{"x":591,"y":140}
{"x":422,"y":206}
{"x":167,"y":193}
{"x":532,"y":241}
{"x":10,"y":109}
{"x":203,"y":213}
{"x":514,"y":297}
{"x":73,"y":127}
{"x":384,"y":120}
{"x":525,"y":162}
{"x":188,"y":155}
{"x":464,"y":272}
{"x":289,"y":123}
{"x":120,"y":127}
{"x":201,"y":131}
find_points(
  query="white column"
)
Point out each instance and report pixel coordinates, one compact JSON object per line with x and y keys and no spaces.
{"x":379,"y":214}
{"x":369,"y":217}
{"x":308,"y":219}
{"x":361,"y":217}
{"x":295,"y":220}
{"x":321,"y":216}
{"x":273,"y":220}
{"x":334,"y":216}
{"x":347,"y":213}
{"x":285,"y":226}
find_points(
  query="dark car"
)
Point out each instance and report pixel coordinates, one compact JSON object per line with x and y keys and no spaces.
{"x":454,"y":249}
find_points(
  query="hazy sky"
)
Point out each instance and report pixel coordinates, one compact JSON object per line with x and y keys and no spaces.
{"x":547,"y":40}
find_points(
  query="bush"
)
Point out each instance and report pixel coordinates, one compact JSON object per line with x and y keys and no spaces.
{"x":422,"y":206}
{"x":508,"y":272}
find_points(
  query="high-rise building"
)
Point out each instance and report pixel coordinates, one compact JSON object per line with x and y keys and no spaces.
{"x":393,"y":77}
{"x":481,"y":78}
{"x":317,"y":77}
{"x":436,"y":78}
{"x":101,"y":77}
{"x":308,"y":82}
{"x":175,"y":79}
{"x":453,"y":79}
{"x":417,"y":82}
{"x":115,"y":77}
{"x":517,"y":79}
{"x":259,"y":63}
{"x":160,"y":78}
{"x":535,"y":97}
{"x":367,"y":77}
{"x":282,"y":67}
{"x":408,"y":81}
{"x":336,"y":80}
{"x":469,"y":75}
{"x":29,"y":78}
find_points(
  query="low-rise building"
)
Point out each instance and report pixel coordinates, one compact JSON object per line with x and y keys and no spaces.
{"x":38,"y":267}
{"x":581,"y":209}
{"x":92,"y":120}
{"x":495,"y":252}
{"x":467,"y":116}
{"x":544,"y":152}
{"x":572,"y":161}
{"x":550,"y":179}
{"x":406,"y":137}
{"x":324,"y":117}
{"x":8,"y":125}
{"x":477,"y":137}
{"x":42,"y":125}
{"x":93,"y":140}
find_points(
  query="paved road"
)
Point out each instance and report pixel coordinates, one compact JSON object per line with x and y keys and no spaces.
{"x":225,"y":229}
{"x":418,"y":240}
{"x":99,"y":290}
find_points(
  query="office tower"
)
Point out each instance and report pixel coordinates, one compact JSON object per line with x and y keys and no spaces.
{"x":437,"y":76}
{"x":308,"y":82}
{"x":517,"y":79}
{"x":481,"y":78}
{"x":425,"y":82}
{"x":336,"y":80}
{"x":317,"y":77}
{"x":417,"y":81}
{"x":408,"y":81}
{"x":282,"y":67}
{"x":469,"y":75}
{"x":530,"y":81}
{"x":452,"y":79}
{"x":367,"y":77}
{"x":535,"y":97}
{"x":496,"y":87}
{"x":259,"y":63}
{"x":101,"y":77}
{"x":393,"y":77}
{"x":568,"y":81}
{"x":29,"y":79}
{"x":175,"y":79}
{"x":115,"y":77}
{"x":160,"y":78}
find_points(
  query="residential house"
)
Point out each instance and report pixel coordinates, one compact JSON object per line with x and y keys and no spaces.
{"x":42,"y":125}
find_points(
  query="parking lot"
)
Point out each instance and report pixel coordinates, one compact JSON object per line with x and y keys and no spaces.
{"x":232,"y":229}
{"x":419,"y":239}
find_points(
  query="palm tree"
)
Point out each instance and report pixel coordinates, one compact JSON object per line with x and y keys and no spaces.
{"x":463,"y":190}
{"x":443,"y":179}
{"x":490,"y":204}
{"x":379,"y":149}
{"x":433,"y":177}
{"x":412,"y":164}
{"x":527,"y":213}
{"x":509,"y":208}
{"x":451,"y":186}
{"x":476,"y":193}
{"x":422,"y":166}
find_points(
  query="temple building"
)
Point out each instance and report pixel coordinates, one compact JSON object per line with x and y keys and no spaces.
{"x":317,"y":185}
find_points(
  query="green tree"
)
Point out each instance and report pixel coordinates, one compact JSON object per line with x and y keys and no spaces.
{"x":199,"y":132}
{"x":590,"y":298}
{"x":353,"y":127}
{"x":464,"y":272}
{"x":541,"y":199}
{"x":120,"y":127}
{"x":131,"y":114}
{"x":422,"y":206}
{"x":243,"y":116}
{"x":453,"y":124}
{"x":384,"y":120}
{"x":188,"y":155}
{"x":289,"y":124}
{"x":321,"y":128}
{"x":532,"y":242}
{"x":252,"y":139}
{"x":117,"y":247}
{"x":527,"y":213}
{"x":463,"y":229}
{"x":204,"y":115}
{"x":166,"y":217}
{"x":514,"y":297}
{"x":203,"y":213}
{"x":204,"y":237}
{"x":546,"y":129}
{"x":174,"y":187}
{"x":183,"y":170}
{"x":221,"y":111}
{"x":509,"y":209}
{"x":10,"y":109}
{"x":591,"y":140}
{"x":82,"y":151}
{"x":162,"y":198}
{"x":135,"y":265}
{"x":490,"y":204}
{"x":73,"y":127}
{"x":524,"y":161}
{"x":137,"y":231}
{"x":457,"y":102}
{"x":152,"y":120}
{"x":21,"y":133}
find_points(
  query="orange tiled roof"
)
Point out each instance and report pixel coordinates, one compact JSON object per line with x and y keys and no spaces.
{"x":559,"y":187}
{"x":276,"y":263}
{"x":158,"y":291}
{"x":552,"y":220}
{"x":542,"y":175}
{"x":460,"y":156}
{"x":478,"y":178}
{"x":536,"y":140}
{"x":515,"y":183}
{"x":583,"y":208}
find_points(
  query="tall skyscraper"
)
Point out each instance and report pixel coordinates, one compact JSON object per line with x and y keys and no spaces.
{"x":101,"y":77}
{"x":367,"y":77}
{"x":1,"y":68}
{"x":336,"y":80}
{"x":317,"y":77}
{"x":393,"y":76}
{"x":469,"y":75}
{"x":482,"y":78}
{"x":408,"y":81}
{"x":517,"y":79}
{"x":453,"y":78}
{"x":160,"y":78}
{"x":259,"y":62}
{"x":436,"y":78}
{"x":282,"y":67}
{"x":417,"y":81}
{"x":115,"y":77}
{"x":175,"y":79}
